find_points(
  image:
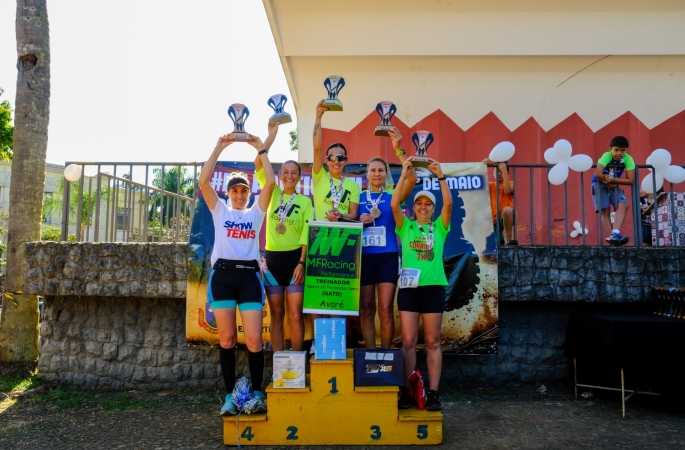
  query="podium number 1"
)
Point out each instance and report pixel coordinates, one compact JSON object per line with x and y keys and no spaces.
{"x":334,"y":385}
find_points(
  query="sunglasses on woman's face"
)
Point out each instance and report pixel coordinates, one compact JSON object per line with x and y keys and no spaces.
{"x":336,"y":157}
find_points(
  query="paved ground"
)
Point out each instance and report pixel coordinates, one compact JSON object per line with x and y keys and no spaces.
{"x":474,"y":418}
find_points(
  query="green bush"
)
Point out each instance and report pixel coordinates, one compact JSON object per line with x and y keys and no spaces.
{"x":71,"y":238}
{"x":50,"y":233}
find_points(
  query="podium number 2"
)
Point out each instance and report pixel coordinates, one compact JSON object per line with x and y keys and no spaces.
{"x":247,"y":433}
{"x":422,"y":432}
{"x":334,"y":385}
{"x":376,"y":432}
{"x":293,"y":434}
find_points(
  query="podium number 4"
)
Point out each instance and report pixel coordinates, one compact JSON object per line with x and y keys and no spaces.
{"x":422,"y":432}
{"x":247,"y":433}
{"x":334,"y":385}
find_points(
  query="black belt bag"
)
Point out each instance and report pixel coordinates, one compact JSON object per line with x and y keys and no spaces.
{"x":236,"y":265}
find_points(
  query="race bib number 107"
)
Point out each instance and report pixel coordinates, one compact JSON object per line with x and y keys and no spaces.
{"x":409,"y":278}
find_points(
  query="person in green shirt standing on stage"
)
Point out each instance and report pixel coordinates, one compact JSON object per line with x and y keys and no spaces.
{"x":335,"y":196}
{"x":422,"y":279}
{"x":286,"y":249}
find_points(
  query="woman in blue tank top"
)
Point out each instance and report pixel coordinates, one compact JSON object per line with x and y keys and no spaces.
{"x":380,"y":262}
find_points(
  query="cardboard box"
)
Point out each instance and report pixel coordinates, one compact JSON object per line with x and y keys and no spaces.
{"x":330,"y":340}
{"x":378,"y":368}
{"x":662,"y":230}
{"x":289,"y":369}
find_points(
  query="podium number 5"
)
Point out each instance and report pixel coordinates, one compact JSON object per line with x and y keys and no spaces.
{"x":422,"y":432}
{"x":334,"y":385}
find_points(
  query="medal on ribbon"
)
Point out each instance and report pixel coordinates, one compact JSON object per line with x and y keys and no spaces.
{"x":374,"y":210}
{"x":429,"y":240}
{"x":336,"y":193}
{"x":283,"y":211}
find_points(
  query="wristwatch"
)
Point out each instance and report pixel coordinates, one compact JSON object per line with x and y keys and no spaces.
{"x":399,"y":152}
{"x":301,"y":262}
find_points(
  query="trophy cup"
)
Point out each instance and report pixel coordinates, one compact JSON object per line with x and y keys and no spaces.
{"x":238,"y":114}
{"x":333,"y":84}
{"x":422,"y":139}
{"x":277,"y":102}
{"x":386,"y":110}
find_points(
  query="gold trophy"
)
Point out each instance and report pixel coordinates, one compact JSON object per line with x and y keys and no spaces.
{"x":333,"y":84}
{"x":238,"y":114}
{"x":421,"y":139}
{"x":386,"y":110}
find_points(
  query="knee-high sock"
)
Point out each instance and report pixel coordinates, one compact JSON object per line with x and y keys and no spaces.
{"x":227,"y":360}
{"x":256,"y":362}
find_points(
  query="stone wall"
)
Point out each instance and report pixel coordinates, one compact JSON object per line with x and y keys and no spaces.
{"x":587,"y":274}
{"x":114,"y":314}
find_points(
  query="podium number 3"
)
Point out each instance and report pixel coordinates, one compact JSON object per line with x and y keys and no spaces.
{"x":376,"y":432}
{"x":422,"y":432}
{"x":293,"y":434}
{"x":334,"y":385}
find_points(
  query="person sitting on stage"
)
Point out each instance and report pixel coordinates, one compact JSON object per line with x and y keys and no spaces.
{"x":235,"y":278}
{"x":422,"y":281}
{"x":380,"y":250}
{"x":335,"y":196}
{"x":286,"y":250}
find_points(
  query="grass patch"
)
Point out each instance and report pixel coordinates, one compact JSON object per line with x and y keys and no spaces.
{"x":204,"y":399}
{"x":13,"y":384}
{"x":122,"y":402}
{"x":64,"y":398}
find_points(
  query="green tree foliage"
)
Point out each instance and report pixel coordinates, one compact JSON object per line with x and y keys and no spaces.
{"x":164,"y":206}
{"x":293,"y":140}
{"x":55,"y":203}
{"x":6,"y":130}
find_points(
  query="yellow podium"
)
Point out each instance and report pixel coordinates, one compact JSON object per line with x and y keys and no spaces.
{"x":331,"y":411}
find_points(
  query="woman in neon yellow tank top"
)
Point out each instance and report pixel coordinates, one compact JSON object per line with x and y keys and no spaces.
{"x":286,"y":250}
{"x":422,"y":279}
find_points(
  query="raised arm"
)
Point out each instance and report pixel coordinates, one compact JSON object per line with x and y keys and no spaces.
{"x":446,"y":213}
{"x":396,"y":202}
{"x":273,"y":131}
{"x":211,"y":198}
{"x":318,"y":162}
{"x":410,"y":182}
{"x":270,"y":182}
{"x":502,"y":167}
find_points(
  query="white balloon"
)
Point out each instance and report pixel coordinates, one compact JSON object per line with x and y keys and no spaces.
{"x":648,"y":162}
{"x":502,"y":152}
{"x":574,"y":233}
{"x":647,"y":184}
{"x":580,"y":163}
{"x":576,"y":225}
{"x":558,"y":174}
{"x":563,"y":150}
{"x":674,"y":174}
{"x":660,"y":159}
{"x":72,"y":172}
{"x":90,"y":171}
{"x":550,"y":156}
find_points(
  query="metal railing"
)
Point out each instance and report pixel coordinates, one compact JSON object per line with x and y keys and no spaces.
{"x":541,"y":210}
{"x":130,"y":202}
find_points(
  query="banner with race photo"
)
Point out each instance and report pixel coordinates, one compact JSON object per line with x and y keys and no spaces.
{"x":470,"y":323}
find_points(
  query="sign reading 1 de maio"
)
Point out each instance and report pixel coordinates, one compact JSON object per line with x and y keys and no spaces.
{"x":331,"y":284}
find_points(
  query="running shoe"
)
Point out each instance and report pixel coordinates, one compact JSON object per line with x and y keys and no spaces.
{"x":617,"y":239}
{"x":404,"y":402}
{"x":511,"y":242}
{"x":229,"y":408}
{"x":432,"y":401}
{"x":260,"y":405}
